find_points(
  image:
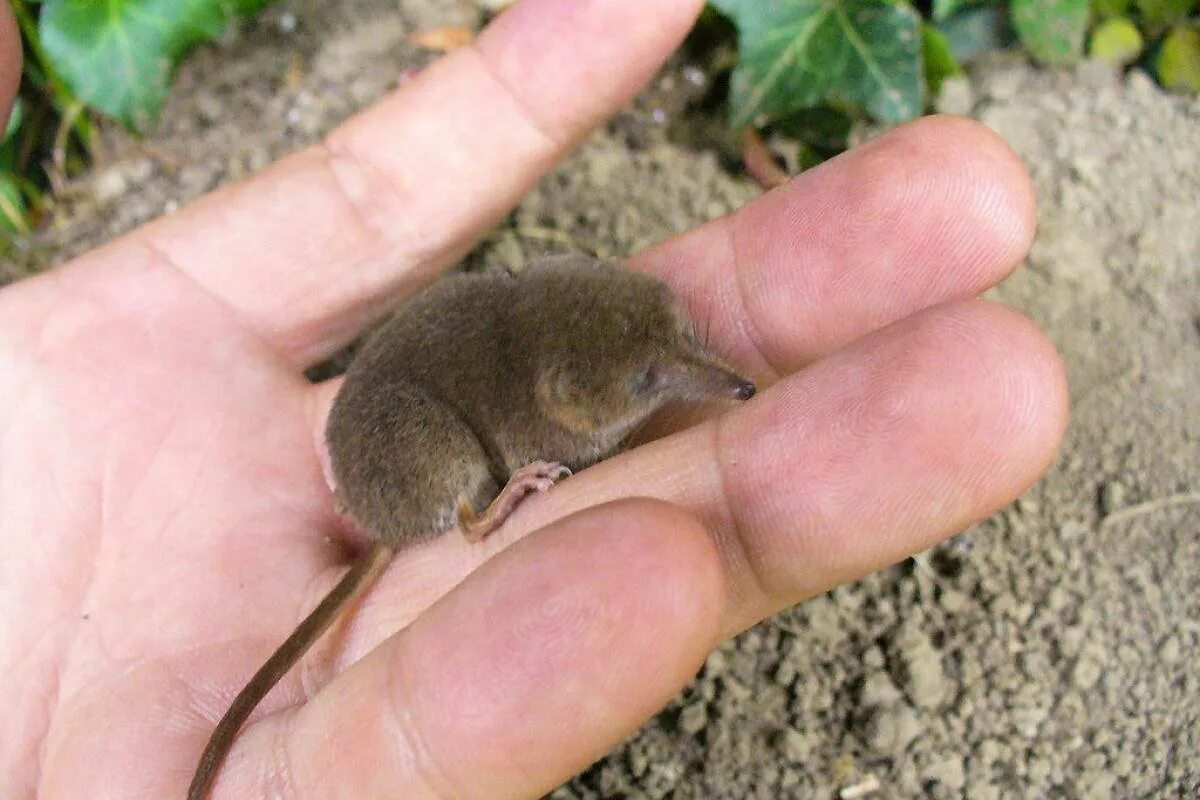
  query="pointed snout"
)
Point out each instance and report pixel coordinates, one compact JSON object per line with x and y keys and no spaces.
{"x":735,"y":386}
{"x":705,"y":381}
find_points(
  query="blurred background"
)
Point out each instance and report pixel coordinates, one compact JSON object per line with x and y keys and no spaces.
{"x":1051,"y":651}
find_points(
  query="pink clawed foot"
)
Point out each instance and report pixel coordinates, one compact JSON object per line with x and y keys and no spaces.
{"x":536,"y":477}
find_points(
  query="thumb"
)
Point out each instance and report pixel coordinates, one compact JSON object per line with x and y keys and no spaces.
{"x":10,"y":63}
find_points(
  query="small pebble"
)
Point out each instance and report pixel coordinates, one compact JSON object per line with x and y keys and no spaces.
{"x":693,"y":718}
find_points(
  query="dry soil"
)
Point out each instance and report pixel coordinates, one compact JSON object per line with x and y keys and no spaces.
{"x":1051,"y":651}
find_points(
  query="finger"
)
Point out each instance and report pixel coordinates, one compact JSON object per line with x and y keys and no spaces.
{"x":876,"y":452}
{"x":522,"y":676}
{"x":308,"y":250}
{"x":10,"y":63}
{"x":936,"y":210}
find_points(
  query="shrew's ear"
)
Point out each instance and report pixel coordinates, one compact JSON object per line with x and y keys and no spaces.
{"x":562,"y":401}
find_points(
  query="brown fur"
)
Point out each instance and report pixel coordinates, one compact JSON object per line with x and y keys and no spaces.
{"x":482,"y":374}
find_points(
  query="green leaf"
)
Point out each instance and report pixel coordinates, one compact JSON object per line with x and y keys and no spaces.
{"x":12,"y":205}
{"x":1161,"y":13}
{"x":1110,"y":8}
{"x":940,"y":62}
{"x":1052,"y":30}
{"x":1116,"y":41}
{"x":944,"y":9}
{"x":977,"y":31}
{"x":1179,"y":60}
{"x":119,"y":55}
{"x":8,"y":144}
{"x":14,"y":120}
{"x":824,"y":127}
{"x":245,"y":8}
{"x":798,"y":54}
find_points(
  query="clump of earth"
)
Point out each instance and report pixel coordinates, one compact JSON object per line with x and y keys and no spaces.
{"x":1052,"y":650}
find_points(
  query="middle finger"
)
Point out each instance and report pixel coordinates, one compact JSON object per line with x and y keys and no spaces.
{"x":940,"y":209}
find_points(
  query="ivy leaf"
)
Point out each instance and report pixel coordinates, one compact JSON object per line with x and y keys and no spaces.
{"x":797,"y":54}
{"x":119,"y":55}
{"x":824,"y":128}
{"x":977,"y":31}
{"x":1052,"y":30}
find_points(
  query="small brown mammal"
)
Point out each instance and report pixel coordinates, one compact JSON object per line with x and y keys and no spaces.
{"x":482,"y":389}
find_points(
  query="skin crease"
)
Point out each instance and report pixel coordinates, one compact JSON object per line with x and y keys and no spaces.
{"x":165,"y":521}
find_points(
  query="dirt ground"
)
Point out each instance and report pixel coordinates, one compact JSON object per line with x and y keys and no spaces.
{"x":1051,"y":651}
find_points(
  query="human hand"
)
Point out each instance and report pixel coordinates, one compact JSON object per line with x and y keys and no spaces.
{"x":166,"y":524}
{"x":10,"y":61}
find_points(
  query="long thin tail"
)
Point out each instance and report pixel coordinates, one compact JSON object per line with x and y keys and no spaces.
{"x":364,"y":572}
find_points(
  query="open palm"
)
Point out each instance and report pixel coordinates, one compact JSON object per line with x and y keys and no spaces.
{"x":165,"y":523}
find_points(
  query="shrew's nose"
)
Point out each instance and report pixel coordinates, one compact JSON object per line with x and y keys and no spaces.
{"x":744,"y":390}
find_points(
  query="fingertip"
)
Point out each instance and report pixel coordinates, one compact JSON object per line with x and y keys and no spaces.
{"x":993,"y":378}
{"x":966,"y":178}
{"x":578,"y":92}
{"x":1007,"y":201}
{"x":905,"y":438}
{"x":1032,"y":386}
{"x":937,"y":210}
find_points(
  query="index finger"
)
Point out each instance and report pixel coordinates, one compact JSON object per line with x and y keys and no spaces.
{"x":307,"y":251}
